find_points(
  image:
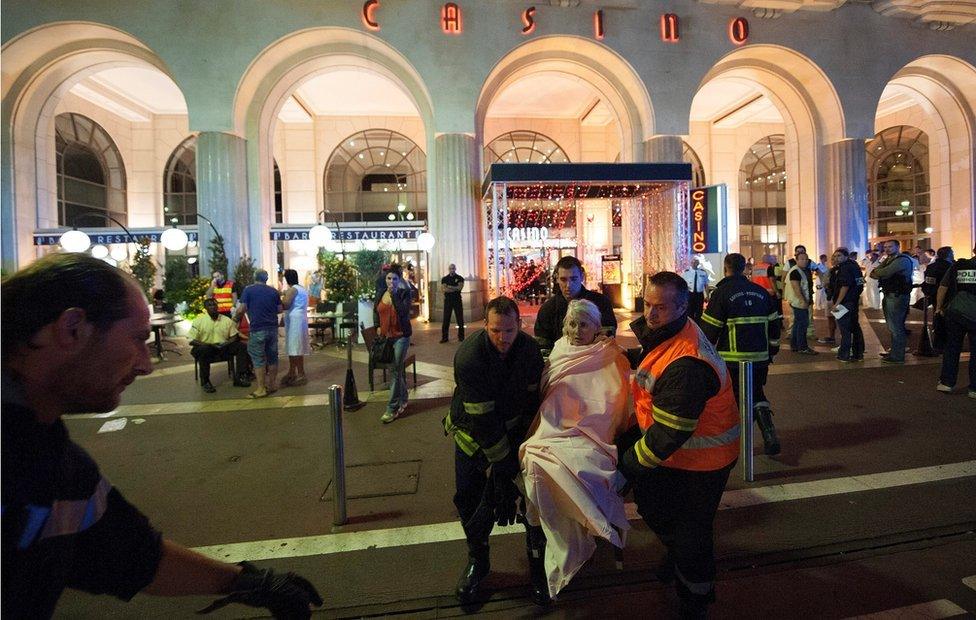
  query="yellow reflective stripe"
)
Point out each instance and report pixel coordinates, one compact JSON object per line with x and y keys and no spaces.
{"x":741,"y":320}
{"x":774,"y":342}
{"x":479,"y":408}
{"x":744,"y":356}
{"x":498,"y":451}
{"x":733,"y":339}
{"x":773,"y":317}
{"x":463,"y":440}
{"x":712,"y":320}
{"x":644,"y":455}
{"x":676,"y":422}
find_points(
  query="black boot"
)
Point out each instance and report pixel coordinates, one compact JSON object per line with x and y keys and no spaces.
{"x":476,"y":570}
{"x":764,"y":418}
{"x":535,"y":547}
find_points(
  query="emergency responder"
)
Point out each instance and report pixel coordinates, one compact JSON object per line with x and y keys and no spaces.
{"x":769,"y":274}
{"x":222,"y":290}
{"x":570,"y":278}
{"x":687,"y":438}
{"x":957,"y":302}
{"x":744,"y":322}
{"x":497,"y":372}
{"x":895,"y":276}
{"x":846,"y":289}
{"x":934,"y":273}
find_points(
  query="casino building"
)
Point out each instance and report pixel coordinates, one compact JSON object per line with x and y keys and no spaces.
{"x":829,"y":122}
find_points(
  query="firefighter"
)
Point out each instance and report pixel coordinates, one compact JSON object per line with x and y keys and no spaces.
{"x":497,"y":372}
{"x":744,"y":323}
{"x":687,"y":438}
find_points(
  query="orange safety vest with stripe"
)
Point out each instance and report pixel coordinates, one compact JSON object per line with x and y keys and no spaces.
{"x":763,"y":280}
{"x":224,"y":296}
{"x":714,"y":442}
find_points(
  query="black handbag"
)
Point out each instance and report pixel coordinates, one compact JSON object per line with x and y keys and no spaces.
{"x":382,"y":351}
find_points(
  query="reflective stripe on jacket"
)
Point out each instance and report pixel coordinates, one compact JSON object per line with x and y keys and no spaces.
{"x":224,"y":296}
{"x":714,"y":442}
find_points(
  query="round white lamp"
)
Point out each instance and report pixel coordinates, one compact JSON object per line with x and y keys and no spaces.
{"x":425,"y":241}
{"x":174,"y":239}
{"x":119,"y":251}
{"x":75,"y":241}
{"x":319,"y":235}
{"x":99,"y":251}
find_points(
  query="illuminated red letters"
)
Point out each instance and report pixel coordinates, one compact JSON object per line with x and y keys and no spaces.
{"x":739,"y":30}
{"x":528,"y":19}
{"x":669,"y":28}
{"x":369,"y":14}
{"x":451,"y":18}
{"x":598,"y":25}
{"x":699,"y":223}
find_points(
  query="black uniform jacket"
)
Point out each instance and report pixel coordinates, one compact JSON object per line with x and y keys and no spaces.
{"x":549,"y":322}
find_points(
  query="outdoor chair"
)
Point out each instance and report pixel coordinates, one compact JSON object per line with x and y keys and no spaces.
{"x":231,"y":370}
{"x":369,"y":335}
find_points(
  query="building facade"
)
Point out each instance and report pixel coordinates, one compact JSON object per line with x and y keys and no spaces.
{"x":831,"y":122}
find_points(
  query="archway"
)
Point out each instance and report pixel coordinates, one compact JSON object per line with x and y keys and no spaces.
{"x":42,"y":68}
{"x":759,"y":90}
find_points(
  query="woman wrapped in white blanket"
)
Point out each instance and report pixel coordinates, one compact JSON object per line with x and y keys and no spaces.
{"x":569,"y":461}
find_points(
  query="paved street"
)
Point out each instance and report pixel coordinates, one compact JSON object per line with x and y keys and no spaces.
{"x":870,"y":507}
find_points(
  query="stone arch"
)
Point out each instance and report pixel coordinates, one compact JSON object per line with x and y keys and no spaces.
{"x":813,"y":115}
{"x":40,"y":66}
{"x":943,"y":87}
{"x":592,"y":62}
{"x":279,"y":69}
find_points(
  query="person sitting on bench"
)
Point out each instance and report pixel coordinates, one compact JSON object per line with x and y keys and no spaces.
{"x":213,"y":338}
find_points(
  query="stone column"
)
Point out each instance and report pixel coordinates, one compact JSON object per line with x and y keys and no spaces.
{"x":456,"y":223}
{"x":663,"y":150}
{"x":222,"y":196}
{"x":845,"y":215}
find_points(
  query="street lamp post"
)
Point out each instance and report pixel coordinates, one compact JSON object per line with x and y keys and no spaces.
{"x":76,"y":240}
{"x":319,"y":234}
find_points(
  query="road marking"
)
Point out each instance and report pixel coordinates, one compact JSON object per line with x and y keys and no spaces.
{"x":326,"y":544}
{"x":933,"y":609}
{"x":970,"y":582}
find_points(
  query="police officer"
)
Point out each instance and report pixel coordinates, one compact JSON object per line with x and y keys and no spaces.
{"x":744,"y":322}
{"x":497,"y":372}
{"x":957,"y":302}
{"x":687,"y":438}
{"x":895,"y":277}
{"x":846,"y":291}
{"x":569,"y":277}
{"x":934,"y":273}
{"x":452,"y":284}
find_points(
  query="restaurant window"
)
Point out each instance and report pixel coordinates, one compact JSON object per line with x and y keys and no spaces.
{"x":762,"y":199}
{"x":279,"y":210}
{"x":898,"y":186}
{"x":180,"y":184}
{"x":90,"y":174}
{"x":376,"y":175}
{"x":520,"y":147}
{"x":689,"y":156}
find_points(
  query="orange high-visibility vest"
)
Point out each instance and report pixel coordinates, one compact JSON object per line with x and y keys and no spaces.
{"x":715,"y":440}
{"x":763,"y":280}
{"x":224,"y":296}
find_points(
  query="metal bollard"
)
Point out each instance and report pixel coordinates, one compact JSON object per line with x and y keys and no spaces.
{"x":338,"y":458}
{"x":745,"y":420}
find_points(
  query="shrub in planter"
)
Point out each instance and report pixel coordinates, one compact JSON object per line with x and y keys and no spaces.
{"x":143,"y":267}
{"x":338,"y":277}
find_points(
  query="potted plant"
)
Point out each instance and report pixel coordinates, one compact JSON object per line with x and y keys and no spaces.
{"x":143,"y":267}
{"x":338,"y":278}
{"x":368,"y":264}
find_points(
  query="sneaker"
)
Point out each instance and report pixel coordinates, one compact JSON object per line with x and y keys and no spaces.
{"x":972,"y":394}
{"x":825,"y":341}
{"x":845,"y":360}
{"x":209,"y":388}
{"x":389,"y":416}
{"x":888,"y":360}
{"x":807,"y":352}
{"x":835,"y":349}
{"x":943,"y":388}
{"x":401,"y":409}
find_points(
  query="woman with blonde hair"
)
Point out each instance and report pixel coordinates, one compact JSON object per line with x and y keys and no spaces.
{"x":569,"y":461}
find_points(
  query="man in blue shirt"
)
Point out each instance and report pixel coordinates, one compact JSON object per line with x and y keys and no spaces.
{"x":262,"y":305}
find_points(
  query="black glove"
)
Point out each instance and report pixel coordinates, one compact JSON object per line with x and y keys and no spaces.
{"x":631,"y":467}
{"x":505,"y":494}
{"x":285,"y":596}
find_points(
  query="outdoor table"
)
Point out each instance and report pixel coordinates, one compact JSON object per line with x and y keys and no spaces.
{"x":320,"y":321}
{"x":158,"y":324}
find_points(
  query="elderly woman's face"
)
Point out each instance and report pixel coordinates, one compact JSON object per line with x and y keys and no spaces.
{"x":581,"y":330}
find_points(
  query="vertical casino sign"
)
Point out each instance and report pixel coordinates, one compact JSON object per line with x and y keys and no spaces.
{"x":707,"y":232}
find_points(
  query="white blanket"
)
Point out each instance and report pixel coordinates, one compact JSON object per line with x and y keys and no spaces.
{"x":569,"y":462}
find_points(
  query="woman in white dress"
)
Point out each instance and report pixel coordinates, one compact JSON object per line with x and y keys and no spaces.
{"x":295,"y":304}
{"x":569,"y":461}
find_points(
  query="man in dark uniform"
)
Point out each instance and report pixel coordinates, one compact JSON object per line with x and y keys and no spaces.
{"x":452,"y":284}
{"x":846,"y":291}
{"x":934,"y":273}
{"x":744,"y":322}
{"x":64,"y":524}
{"x":957,"y":302}
{"x":569,"y":279}
{"x":497,"y":372}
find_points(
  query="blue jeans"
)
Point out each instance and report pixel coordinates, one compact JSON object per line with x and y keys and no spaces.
{"x":398,"y":380}
{"x":798,"y":336}
{"x":895,"y":308}
{"x":955,"y":332}
{"x":851,"y":336}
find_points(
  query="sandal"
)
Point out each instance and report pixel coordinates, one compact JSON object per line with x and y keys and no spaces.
{"x":257,"y":394}
{"x":286,"y":381}
{"x":299,"y":380}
